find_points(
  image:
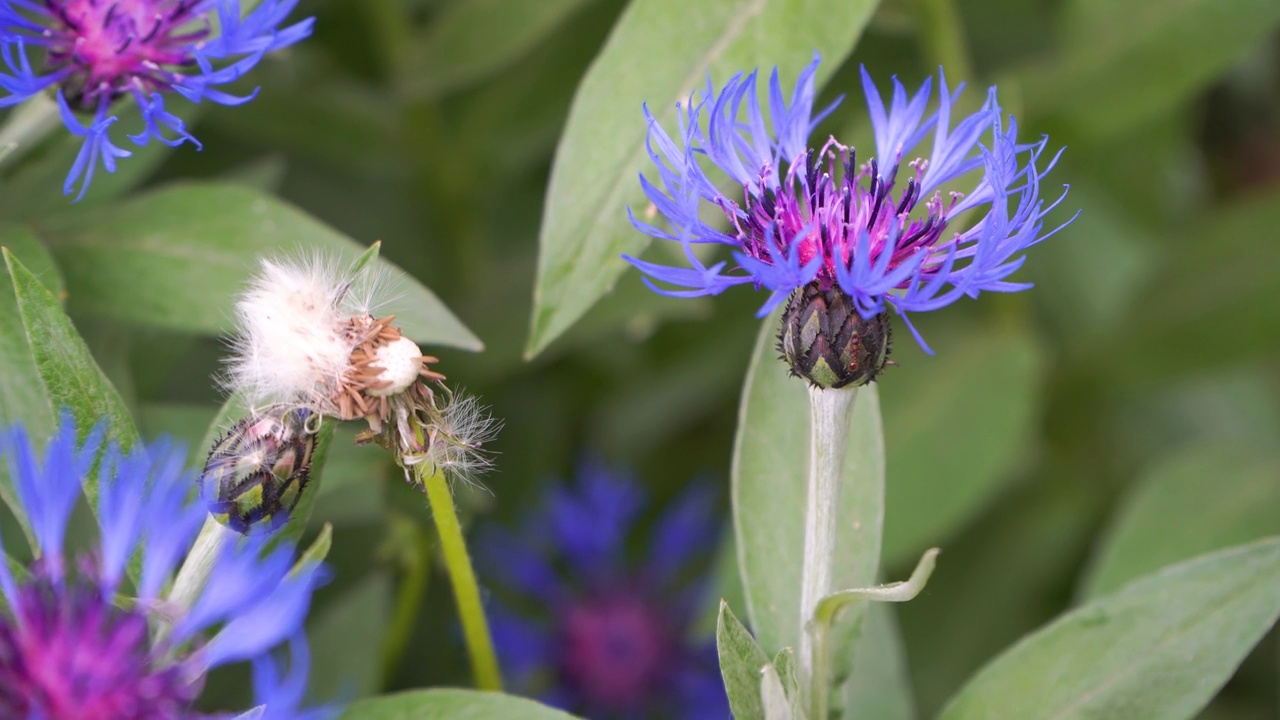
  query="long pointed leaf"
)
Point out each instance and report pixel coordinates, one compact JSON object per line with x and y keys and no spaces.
{"x":585,"y":225}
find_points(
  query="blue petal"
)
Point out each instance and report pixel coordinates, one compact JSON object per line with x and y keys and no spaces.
{"x":23,"y":82}
{"x":523,"y":646}
{"x":899,"y":131}
{"x":279,"y":692}
{"x":171,"y":520}
{"x":688,"y":529}
{"x":592,"y":520}
{"x":157,"y":118}
{"x":243,"y":575}
{"x":48,"y":493}
{"x":269,"y":617}
{"x":124,"y":511}
{"x":256,"y":32}
{"x":97,"y":147}
{"x":518,"y":560}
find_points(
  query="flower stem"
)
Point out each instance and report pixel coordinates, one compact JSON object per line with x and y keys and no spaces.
{"x":830,"y":411}
{"x":943,"y":38}
{"x":28,"y":124}
{"x":415,"y":557}
{"x":484,"y":665}
{"x":196,"y":569}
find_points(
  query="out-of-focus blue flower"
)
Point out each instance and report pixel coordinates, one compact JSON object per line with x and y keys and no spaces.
{"x":279,"y":687}
{"x":79,"y":638}
{"x":806,"y":216}
{"x":590,"y":629}
{"x":97,"y":51}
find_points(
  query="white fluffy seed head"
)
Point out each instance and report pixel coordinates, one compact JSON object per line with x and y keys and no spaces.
{"x":400,"y":361}
{"x":290,"y":343}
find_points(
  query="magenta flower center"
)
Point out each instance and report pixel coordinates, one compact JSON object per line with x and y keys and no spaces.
{"x":822,"y":212}
{"x":113,"y":46}
{"x":66,"y":655}
{"x":615,"y":651}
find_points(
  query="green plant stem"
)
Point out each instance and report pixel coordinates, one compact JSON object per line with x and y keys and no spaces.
{"x":830,"y":414}
{"x":196,"y":569}
{"x":416,"y":561}
{"x":466,"y":592}
{"x":942,"y":38}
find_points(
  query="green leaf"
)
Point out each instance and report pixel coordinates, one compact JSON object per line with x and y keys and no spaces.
{"x":184,"y":422}
{"x":769,"y":475}
{"x":355,"y":480}
{"x":346,"y":637}
{"x":593,"y":180}
{"x":955,"y":426}
{"x":196,"y":245}
{"x":67,"y":371}
{"x":846,"y":674}
{"x":233,"y":409}
{"x":741,"y":660}
{"x":833,"y":605}
{"x":296,"y":525}
{"x":1089,"y":284}
{"x":1200,"y":500}
{"x":1026,"y":545}
{"x":785,"y":664}
{"x":469,"y":41}
{"x":1235,"y":306}
{"x":318,"y":550}
{"x":1129,"y":61}
{"x":773,"y":695}
{"x":880,"y":686}
{"x":450,"y":704}
{"x":25,"y":246}
{"x":1159,"y":648}
{"x":34,"y":188}
{"x":22,"y":393}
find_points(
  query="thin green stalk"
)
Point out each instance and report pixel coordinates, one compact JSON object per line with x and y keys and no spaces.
{"x":484,"y":664}
{"x":195,"y":570}
{"x":416,"y":562}
{"x":943,"y":39}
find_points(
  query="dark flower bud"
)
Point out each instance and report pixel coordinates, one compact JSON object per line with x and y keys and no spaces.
{"x":826,"y":341}
{"x":256,"y":473}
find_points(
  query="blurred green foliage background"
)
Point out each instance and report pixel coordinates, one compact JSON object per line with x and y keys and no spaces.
{"x":1122,"y":415}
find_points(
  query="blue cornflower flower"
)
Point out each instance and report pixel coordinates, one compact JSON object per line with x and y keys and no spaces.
{"x":820,"y":220}
{"x":608,"y":637}
{"x":96,"y":52}
{"x":80,"y":638}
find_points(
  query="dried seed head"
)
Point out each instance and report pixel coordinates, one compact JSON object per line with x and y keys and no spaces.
{"x":308,"y":337}
{"x":309,"y":340}
{"x":256,"y":473}
{"x":290,"y":346}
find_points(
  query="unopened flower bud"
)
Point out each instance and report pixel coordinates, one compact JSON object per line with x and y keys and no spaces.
{"x":826,"y":341}
{"x":256,"y":473}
